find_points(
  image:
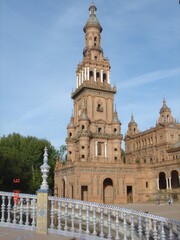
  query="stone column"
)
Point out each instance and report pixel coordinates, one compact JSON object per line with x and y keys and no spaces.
{"x":77,"y":82}
{"x":105,"y":149}
{"x":95,"y":149}
{"x":95,"y":74}
{"x":167,"y":185}
{"x":157,"y":183}
{"x":82,"y":76}
{"x":170,"y":183}
{"x":101,"y":75}
{"x":85,"y":74}
{"x":79,"y":79}
{"x":108,"y":77}
{"x":88,"y":73}
{"x":42,"y":199}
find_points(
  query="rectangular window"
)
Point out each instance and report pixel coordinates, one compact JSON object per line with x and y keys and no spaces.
{"x":100,"y":146}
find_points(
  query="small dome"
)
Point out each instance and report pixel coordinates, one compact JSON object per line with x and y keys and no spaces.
{"x":92,"y":20}
{"x":132,"y":122}
{"x":115,"y":118}
{"x":165,"y":108}
{"x":71,"y":124}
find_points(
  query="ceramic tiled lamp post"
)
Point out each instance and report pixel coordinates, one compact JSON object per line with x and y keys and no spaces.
{"x":42,"y":198}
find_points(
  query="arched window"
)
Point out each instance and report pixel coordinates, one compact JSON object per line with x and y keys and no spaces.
{"x":174,"y":179}
{"x":108,"y":191}
{"x":162,"y":180}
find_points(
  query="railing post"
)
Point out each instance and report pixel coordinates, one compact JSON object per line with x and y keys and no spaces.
{"x":43,"y":208}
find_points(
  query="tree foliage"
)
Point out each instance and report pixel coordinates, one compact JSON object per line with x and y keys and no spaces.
{"x":21,"y":158}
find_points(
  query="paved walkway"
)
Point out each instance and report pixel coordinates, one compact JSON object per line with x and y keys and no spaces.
{"x":15,"y":234}
{"x":169,"y":211}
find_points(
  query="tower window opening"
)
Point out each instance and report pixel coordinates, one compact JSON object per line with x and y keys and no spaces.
{"x":134,"y":130}
{"x":115,"y":158}
{"x":97,"y":75}
{"x":167,"y":118}
{"x":82,"y":127}
{"x":95,"y":57}
{"x":99,"y":148}
{"x":91,"y":74}
{"x":99,"y":107}
{"x":147,"y":185}
{"x":82,"y":147}
{"x":99,"y":130}
{"x":115,"y":149}
{"x":95,"y":41}
{"x":70,"y":152}
{"x":104,"y":77}
{"x":82,"y":156}
{"x":115,"y":130}
{"x":70,"y":134}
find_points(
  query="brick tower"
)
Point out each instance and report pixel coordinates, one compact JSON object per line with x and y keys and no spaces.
{"x":94,"y":132}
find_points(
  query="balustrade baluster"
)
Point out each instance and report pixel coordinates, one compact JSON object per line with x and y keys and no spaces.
{"x":33,"y":212}
{"x":132,"y":227}
{"x":94,"y":221}
{"x":21,"y":211}
{"x":117,"y":224}
{"x":80,"y":218}
{"x":72,"y":216}
{"x":52,"y":214}
{"x":3,"y":209}
{"x":155,"y":233}
{"x":59,"y":215}
{"x":9,"y":209}
{"x":14,"y":211}
{"x":147,"y":228}
{"x":109,"y":224}
{"x":171,"y":235}
{"x":140,"y":227}
{"x":163,"y":236}
{"x":124,"y":226}
{"x":66,"y":216}
{"x":102,"y":222}
{"x":27,"y":211}
{"x":87,"y":220}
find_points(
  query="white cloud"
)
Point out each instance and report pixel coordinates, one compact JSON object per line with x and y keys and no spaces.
{"x":150,"y":77}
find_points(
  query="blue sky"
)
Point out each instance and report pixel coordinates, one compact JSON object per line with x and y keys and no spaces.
{"x":41,"y":43}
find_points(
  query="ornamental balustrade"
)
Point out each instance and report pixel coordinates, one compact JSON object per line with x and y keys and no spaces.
{"x":81,"y":219}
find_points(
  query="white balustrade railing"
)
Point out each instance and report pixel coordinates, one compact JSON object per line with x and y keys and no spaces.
{"x":88,"y":220}
{"x":18,"y":212}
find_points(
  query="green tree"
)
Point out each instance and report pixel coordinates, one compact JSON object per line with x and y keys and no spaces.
{"x":21,"y":158}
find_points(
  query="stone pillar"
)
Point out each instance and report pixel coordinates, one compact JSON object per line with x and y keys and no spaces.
{"x":95,"y":149}
{"x":157,"y":183}
{"x":42,"y":199}
{"x":88,"y":73}
{"x":105,"y":149}
{"x":101,"y":75}
{"x":82,"y":79}
{"x":95,"y":74}
{"x":85,"y":74}
{"x":170,"y":183}
{"x":167,"y":185}
{"x":77,"y":82}
{"x":108,"y":77}
{"x":79,"y":79}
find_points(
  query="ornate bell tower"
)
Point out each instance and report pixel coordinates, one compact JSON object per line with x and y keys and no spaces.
{"x":94,"y":132}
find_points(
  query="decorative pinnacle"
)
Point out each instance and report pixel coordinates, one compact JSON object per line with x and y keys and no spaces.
{"x":45,"y":170}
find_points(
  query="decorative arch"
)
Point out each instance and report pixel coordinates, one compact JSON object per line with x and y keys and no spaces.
{"x":174,"y":179}
{"x":108,"y":191}
{"x":162,"y":180}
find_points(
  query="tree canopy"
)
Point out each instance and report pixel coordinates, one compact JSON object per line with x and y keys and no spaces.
{"x":21,"y":158}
